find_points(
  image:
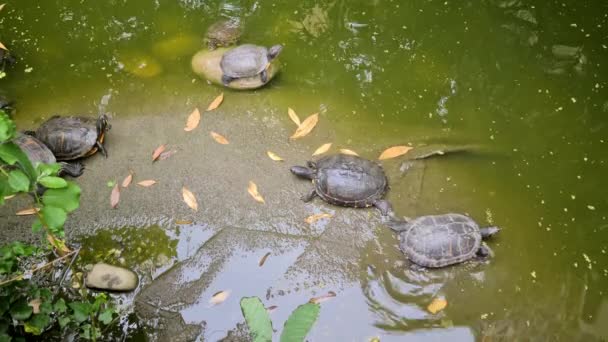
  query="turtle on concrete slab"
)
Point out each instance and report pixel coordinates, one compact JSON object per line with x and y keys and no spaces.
{"x":248,"y":60}
{"x":37,"y":152}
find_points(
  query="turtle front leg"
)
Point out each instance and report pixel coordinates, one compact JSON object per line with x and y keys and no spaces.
{"x":71,"y":169}
{"x":484,"y":251}
{"x":264,"y":75}
{"x":101,"y":149}
{"x":385,"y":208}
{"x":309,"y":196}
{"x":226,"y":80}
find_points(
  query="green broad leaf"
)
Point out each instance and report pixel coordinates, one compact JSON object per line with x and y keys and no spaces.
{"x":63,"y":321}
{"x":67,"y":198}
{"x":81,"y":311}
{"x":5,"y":189}
{"x":20,"y":310}
{"x":46,"y":308}
{"x":53,"y":217}
{"x":257,"y":319}
{"x":4,"y":337}
{"x":37,"y":324}
{"x":48,"y":169}
{"x":106,"y":316}
{"x":19,"y":181}
{"x":300,"y":322}
{"x":4,"y":305}
{"x":85,"y":331}
{"x":7,"y":127}
{"x":11,"y":154}
{"x":36,"y":225}
{"x":59,"y":306}
{"x":53,"y":182}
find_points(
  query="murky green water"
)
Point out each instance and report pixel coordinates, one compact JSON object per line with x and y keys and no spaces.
{"x":524,"y":81}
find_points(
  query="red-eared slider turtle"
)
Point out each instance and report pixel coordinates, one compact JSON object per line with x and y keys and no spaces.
{"x":73,"y":137}
{"x":37,"y":152}
{"x":442,"y":240}
{"x":346,"y":180}
{"x":247,"y":60}
{"x":223,"y":33}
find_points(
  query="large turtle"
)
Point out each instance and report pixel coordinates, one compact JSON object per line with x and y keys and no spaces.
{"x":223,"y":33}
{"x":346,"y":180}
{"x":73,"y":137}
{"x":37,"y":152}
{"x":247,"y":60}
{"x":442,"y":240}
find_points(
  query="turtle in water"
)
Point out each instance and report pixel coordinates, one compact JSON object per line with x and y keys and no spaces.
{"x":73,"y":137}
{"x":247,"y":60}
{"x":223,"y":33}
{"x":346,"y":180}
{"x":37,"y":152}
{"x":442,"y":240}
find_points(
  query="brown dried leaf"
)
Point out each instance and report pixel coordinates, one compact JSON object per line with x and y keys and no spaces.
{"x":28,"y":211}
{"x":35,"y":304}
{"x":271,"y":308}
{"x":193,"y":120}
{"x":183,"y":222}
{"x":160,"y":149}
{"x":219,"y":297}
{"x":437,"y":305}
{"x":127,"y":181}
{"x":216,"y":103}
{"x":189,"y":199}
{"x":293,"y":116}
{"x":273,"y":156}
{"x":321,"y":299}
{"x":2,"y":6}
{"x":395,"y":151}
{"x":115,"y":196}
{"x":166,"y":154}
{"x":9,"y":197}
{"x":349,"y":152}
{"x":59,"y":245}
{"x":263,"y":260}
{"x":322,"y":149}
{"x":316,"y":217}
{"x":219,"y":138}
{"x":146,"y":183}
{"x":253,"y":191}
{"x":3,"y":47}
{"x":306,"y":126}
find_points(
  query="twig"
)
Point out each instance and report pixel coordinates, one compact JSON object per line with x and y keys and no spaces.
{"x":65,"y":271}
{"x":20,"y":277}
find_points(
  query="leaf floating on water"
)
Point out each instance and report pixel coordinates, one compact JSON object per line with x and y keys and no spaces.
{"x":393,"y":152}
{"x":293,"y":116}
{"x":306,"y":126}
{"x":3,"y":47}
{"x":183,"y":222}
{"x":28,"y":211}
{"x":437,"y":305}
{"x":190,"y":199}
{"x":127,"y":181}
{"x":263,"y":260}
{"x":273,"y":156}
{"x":253,"y":191}
{"x":349,"y":152}
{"x":146,"y":183}
{"x":323,"y":298}
{"x":2,"y":6}
{"x":316,"y":217}
{"x":216,"y":103}
{"x":219,"y":138}
{"x":322,"y":149}
{"x":219,"y":297}
{"x":271,"y":308}
{"x":193,"y":120}
{"x":160,"y":149}
{"x":115,"y":196}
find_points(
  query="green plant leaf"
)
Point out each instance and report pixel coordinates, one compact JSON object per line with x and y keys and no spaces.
{"x":19,"y":181}
{"x":11,"y":154}
{"x":20,"y":310}
{"x":60,"y":306}
{"x":81,"y":311}
{"x":64,"y":320}
{"x":257,"y":319}
{"x":4,"y":304}
{"x":36,"y":225}
{"x":53,"y":182}
{"x":4,"y":337}
{"x":48,"y":169}
{"x":106,"y":316}
{"x":67,"y":198}
{"x":37,"y":324}
{"x":7,"y":127}
{"x":299,"y":322}
{"x":85,"y":331}
{"x":53,"y":217}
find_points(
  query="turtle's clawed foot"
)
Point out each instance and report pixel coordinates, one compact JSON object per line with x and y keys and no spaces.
{"x":102,"y":149}
{"x":226,"y":80}
{"x":309,"y":196}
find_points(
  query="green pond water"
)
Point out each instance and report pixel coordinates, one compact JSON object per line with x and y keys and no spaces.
{"x":523,"y":81}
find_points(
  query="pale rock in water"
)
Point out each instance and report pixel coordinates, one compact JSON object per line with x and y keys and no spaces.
{"x":107,"y":277}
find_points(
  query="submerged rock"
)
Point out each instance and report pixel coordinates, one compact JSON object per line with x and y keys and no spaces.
{"x":107,"y":277}
{"x":206,"y":64}
{"x":176,"y":46}
{"x":139,"y":64}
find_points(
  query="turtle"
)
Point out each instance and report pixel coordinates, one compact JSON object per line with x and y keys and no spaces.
{"x":247,"y":60}
{"x":73,"y":137}
{"x":346,"y":180}
{"x":441,"y":240}
{"x":224,"y":33}
{"x":37,"y":152}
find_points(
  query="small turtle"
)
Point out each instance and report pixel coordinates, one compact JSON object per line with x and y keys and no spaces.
{"x":346,"y":180}
{"x":247,"y":60}
{"x":223,"y":33}
{"x":442,"y":240}
{"x":37,"y":152}
{"x":72,"y":137}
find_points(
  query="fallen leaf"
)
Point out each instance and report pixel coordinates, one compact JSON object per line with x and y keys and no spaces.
{"x":183,"y":222}
{"x":127,"y":181}
{"x":321,"y":299}
{"x":166,"y":154}
{"x":253,"y":191}
{"x":35,"y":304}
{"x":190,"y":199}
{"x":271,"y":308}
{"x":2,"y":6}
{"x":193,"y":119}
{"x":59,"y":245}
{"x":3,"y":47}
{"x":306,"y":126}
{"x":29,"y":211}
{"x":437,"y":305}
{"x":273,"y":156}
{"x":8,"y":197}
{"x":395,"y":151}
{"x":146,"y":183}
{"x":293,"y":116}
{"x":219,"y":297}
{"x":160,"y":149}
{"x":263,"y":260}
{"x":216,"y":103}
{"x":322,"y":149}
{"x":349,"y":152}
{"x":316,"y":217}
{"x":115,"y":196}
{"x":220,"y":138}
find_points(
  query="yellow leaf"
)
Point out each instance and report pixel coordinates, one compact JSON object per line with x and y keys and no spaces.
{"x":322,"y":149}
{"x":2,"y":6}
{"x":219,"y":138}
{"x":273,"y":156}
{"x":160,"y":149}
{"x":306,"y":126}
{"x":219,"y":297}
{"x":395,"y":151}
{"x":193,"y":120}
{"x":437,"y":305}
{"x":127,"y":181}
{"x":147,"y":182}
{"x":115,"y":196}
{"x":253,"y":191}
{"x":293,"y":116}
{"x":3,"y":47}
{"x":59,"y":245}
{"x":183,"y":221}
{"x":320,"y":299}
{"x":190,"y":199}
{"x":29,"y":211}
{"x":316,"y":217}
{"x":9,"y":197}
{"x":263,"y":260}
{"x":216,"y":103}
{"x":349,"y":152}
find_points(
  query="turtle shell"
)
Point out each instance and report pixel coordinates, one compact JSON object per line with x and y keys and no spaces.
{"x":244,"y":61}
{"x":440,"y":240}
{"x":70,"y":137}
{"x":36,"y":151}
{"x":349,"y":181}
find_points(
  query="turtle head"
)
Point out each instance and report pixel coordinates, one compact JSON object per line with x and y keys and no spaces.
{"x":274,"y":51}
{"x":102,"y":124}
{"x":303,"y":171}
{"x":488,"y":232}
